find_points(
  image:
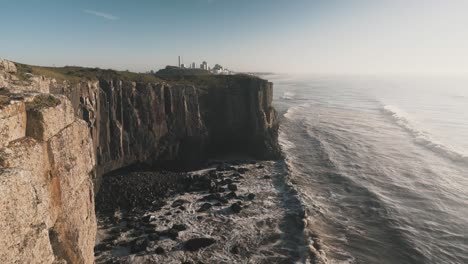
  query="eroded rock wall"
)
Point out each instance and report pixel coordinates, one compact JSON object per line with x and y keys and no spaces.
{"x":133,"y":122}
{"x":46,"y":167}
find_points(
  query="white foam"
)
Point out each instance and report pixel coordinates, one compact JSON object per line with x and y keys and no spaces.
{"x":288,"y":95}
{"x":423,"y":137}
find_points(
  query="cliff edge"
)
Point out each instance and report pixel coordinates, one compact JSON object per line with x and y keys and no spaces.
{"x":61,"y":129}
{"x":46,"y":167}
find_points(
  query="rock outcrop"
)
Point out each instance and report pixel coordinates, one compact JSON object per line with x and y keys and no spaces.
{"x":144,"y":122}
{"x":47,"y":198}
{"x":57,"y":137}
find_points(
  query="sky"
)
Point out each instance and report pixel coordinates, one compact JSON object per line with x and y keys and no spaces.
{"x":288,"y":36}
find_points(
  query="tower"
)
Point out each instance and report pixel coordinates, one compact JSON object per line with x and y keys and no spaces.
{"x":179,"y":61}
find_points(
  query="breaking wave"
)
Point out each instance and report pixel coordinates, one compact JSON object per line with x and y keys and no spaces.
{"x":423,"y":137}
{"x":288,"y":96}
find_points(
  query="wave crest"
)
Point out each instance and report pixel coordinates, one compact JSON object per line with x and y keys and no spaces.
{"x":423,"y":137}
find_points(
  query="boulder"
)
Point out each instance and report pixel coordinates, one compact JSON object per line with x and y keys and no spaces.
{"x":195,"y":244}
{"x":7,"y":66}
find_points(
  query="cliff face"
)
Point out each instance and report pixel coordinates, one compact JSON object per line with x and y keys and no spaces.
{"x":57,"y":137}
{"x":137,"y":122}
{"x":46,"y":163}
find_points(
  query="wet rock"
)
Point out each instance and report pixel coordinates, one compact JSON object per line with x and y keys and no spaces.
{"x":225,"y":167}
{"x":252,"y":161}
{"x":139,"y":245}
{"x":212,"y":174}
{"x":226,"y":181}
{"x":159,"y":251}
{"x":236,"y":207}
{"x":153,"y":237}
{"x":148,"y":218}
{"x":232,"y":187}
{"x":179,"y":202}
{"x":231,"y":195}
{"x":170,"y":233}
{"x":260,"y":167}
{"x":266,"y":177}
{"x":251,"y":196}
{"x":242,"y":170}
{"x":101,"y":247}
{"x":204,"y":207}
{"x":214,"y":197}
{"x":179,"y":227}
{"x":195,"y":244}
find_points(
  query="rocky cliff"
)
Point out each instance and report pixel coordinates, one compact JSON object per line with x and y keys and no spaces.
{"x":62,"y":128}
{"x":46,"y":189}
{"x":164,"y":120}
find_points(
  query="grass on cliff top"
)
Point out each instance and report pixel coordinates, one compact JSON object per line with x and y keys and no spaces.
{"x":75,"y":74}
{"x":42,"y":101}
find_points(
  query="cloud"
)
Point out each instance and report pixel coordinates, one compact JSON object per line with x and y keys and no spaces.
{"x":101,"y":14}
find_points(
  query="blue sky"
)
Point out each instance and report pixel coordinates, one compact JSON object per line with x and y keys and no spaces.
{"x":266,"y":35}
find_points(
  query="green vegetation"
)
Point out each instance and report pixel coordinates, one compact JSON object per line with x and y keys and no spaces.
{"x":76,"y":74}
{"x":170,"y":74}
{"x":42,"y":101}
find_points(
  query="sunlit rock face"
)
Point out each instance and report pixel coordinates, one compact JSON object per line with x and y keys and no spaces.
{"x":46,"y":166}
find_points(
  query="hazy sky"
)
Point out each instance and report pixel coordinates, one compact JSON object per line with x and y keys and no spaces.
{"x":331,"y":36}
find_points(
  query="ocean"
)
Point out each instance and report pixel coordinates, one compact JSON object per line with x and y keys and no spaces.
{"x":380,"y":163}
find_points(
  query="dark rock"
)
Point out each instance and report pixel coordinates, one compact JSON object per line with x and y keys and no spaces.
{"x":101,"y":247}
{"x":251,"y":196}
{"x":231,"y":195}
{"x":214,"y":197}
{"x":267,"y":177}
{"x":195,"y":244}
{"x":232,"y":187}
{"x":170,"y":233}
{"x":153,"y":237}
{"x":204,"y":207}
{"x":179,"y":202}
{"x":147,"y":218}
{"x":179,"y":227}
{"x":252,"y":161}
{"x":139,"y":245}
{"x":242,"y":170}
{"x":236,"y":207}
{"x":182,"y":208}
{"x":159,"y":251}
{"x":260,"y":167}
{"x":212,"y":174}
{"x":226,"y":181}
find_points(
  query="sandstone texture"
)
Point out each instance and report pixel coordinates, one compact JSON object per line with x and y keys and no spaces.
{"x":46,"y":190}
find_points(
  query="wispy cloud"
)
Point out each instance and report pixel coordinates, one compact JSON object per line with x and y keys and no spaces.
{"x":101,"y":14}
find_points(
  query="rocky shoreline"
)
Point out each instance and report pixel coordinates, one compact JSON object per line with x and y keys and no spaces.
{"x":230,"y":212}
